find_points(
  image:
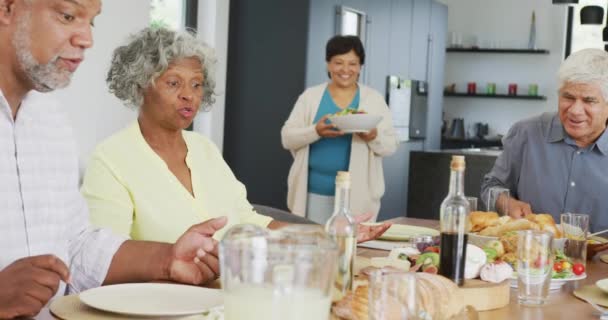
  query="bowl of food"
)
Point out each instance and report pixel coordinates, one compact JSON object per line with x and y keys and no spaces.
{"x":352,"y":120}
{"x":488,"y":226}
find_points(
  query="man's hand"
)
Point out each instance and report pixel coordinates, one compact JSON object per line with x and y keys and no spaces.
{"x":326,"y":130}
{"x":366,"y":233}
{"x":27,"y":284}
{"x":593,"y":249}
{"x":518,"y":209}
{"x":368,"y":136}
{"x":195,"y":254}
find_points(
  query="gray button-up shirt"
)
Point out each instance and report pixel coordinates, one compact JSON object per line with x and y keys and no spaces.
{"x":544,"y":167}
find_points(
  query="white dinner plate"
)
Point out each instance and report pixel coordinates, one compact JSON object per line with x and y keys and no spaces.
{"x":403,"y":232}
{"x":555,"y":283}
{"x":152,"y":299}
{"x":603,"y":285}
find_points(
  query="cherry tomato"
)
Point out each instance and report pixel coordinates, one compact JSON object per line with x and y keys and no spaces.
{"x":558,"y":267}
{"x":432,"y":249}
{"x":578,"y":269}
{"x":566,"y":265}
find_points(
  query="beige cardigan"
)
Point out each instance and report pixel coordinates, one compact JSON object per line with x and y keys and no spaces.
{"x":367,"y":177}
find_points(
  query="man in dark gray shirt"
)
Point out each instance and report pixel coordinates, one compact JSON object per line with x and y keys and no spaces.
{"x":558,"y":162}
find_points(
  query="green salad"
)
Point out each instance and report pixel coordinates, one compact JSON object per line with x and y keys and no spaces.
{"x":346,"y":111}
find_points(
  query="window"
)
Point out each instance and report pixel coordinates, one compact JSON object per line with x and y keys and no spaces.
{"x":350,"y":22}
{"x":168,"y":14}
{"x":175,"y":15}
{"x":581,"y":36}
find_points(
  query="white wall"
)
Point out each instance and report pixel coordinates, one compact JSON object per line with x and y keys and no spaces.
{"x":93,"y":111}
{"x":508,"y":24}
{"x":213,"y":18}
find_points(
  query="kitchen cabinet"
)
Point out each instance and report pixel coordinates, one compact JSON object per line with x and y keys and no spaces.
{"x":396,"y":176}
{"x":411,"y":35}
{"x":436,"y":63}
{"x":400,"y":30}
{"x":420,"y":39}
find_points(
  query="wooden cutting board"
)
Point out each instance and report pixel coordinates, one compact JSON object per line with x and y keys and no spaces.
{"x":484,"y":295}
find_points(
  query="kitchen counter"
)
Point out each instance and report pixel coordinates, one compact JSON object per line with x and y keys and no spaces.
{"x":455,"y":143}
{"x":492,"y":152}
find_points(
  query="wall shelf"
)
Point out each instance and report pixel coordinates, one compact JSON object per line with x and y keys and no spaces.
{"x":498,"y":96}
{"x":498,"y":50}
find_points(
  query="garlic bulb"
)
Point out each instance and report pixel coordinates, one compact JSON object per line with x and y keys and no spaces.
{"x":475,"y":259}
{"x":496,"y":272}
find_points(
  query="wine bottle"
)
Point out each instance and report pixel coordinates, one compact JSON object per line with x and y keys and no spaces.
{"x":342,"y":229}
{"x":454,"y":214}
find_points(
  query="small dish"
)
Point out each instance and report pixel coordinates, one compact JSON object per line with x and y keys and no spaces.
{"x":402,"y":232}
{"x":603,"y":285}
{"x":555,"y":283}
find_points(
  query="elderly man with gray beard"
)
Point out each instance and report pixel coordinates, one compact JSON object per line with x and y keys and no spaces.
{"x":47,"y":241}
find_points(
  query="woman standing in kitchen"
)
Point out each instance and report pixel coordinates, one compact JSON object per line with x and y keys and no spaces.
{"x":320,"y":150}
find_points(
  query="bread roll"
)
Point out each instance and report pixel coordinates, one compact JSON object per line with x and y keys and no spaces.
{"x":480,"y":220}
{"x":492,"y":231}
{"x":354,"y":306}
{"x":546,"y":223}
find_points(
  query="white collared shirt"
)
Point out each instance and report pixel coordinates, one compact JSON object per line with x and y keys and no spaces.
{"x":41,"y":209}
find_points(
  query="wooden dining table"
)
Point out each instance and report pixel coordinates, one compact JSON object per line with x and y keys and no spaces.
{"x":562,"y":304}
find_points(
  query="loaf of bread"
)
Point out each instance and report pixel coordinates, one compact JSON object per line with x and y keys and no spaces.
{"x":436,"y":296}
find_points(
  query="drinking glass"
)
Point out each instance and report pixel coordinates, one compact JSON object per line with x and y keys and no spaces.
{"x":534,"y":266}
{"x":576,"y":228}
{"x":392,"y":296}
{"x":472,"y":203}
{"x":498,"y":200}
{"x":277,"y":275}
{"x":455,"y":39}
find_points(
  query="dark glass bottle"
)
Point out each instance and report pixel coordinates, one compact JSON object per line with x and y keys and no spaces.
{"x":454,"y":216}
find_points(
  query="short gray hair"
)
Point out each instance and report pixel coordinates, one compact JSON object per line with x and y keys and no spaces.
{"x":136,"y":65}
{"x":586,"y":66}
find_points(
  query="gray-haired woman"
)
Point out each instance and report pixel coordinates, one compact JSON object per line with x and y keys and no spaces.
{"x":153,"y":180}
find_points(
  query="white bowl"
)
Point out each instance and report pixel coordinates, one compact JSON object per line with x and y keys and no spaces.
{"x":602,"y":284}
{"x":361,"y":122}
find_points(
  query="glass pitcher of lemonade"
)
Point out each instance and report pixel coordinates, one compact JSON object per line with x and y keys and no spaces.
{"x":277,"y":275}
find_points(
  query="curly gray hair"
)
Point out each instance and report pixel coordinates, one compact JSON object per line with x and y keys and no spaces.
{"x":148,"y":54}
{"x":586,"y":66}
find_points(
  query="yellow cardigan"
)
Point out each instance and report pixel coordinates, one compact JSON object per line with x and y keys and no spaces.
{"x":130,"y":189}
